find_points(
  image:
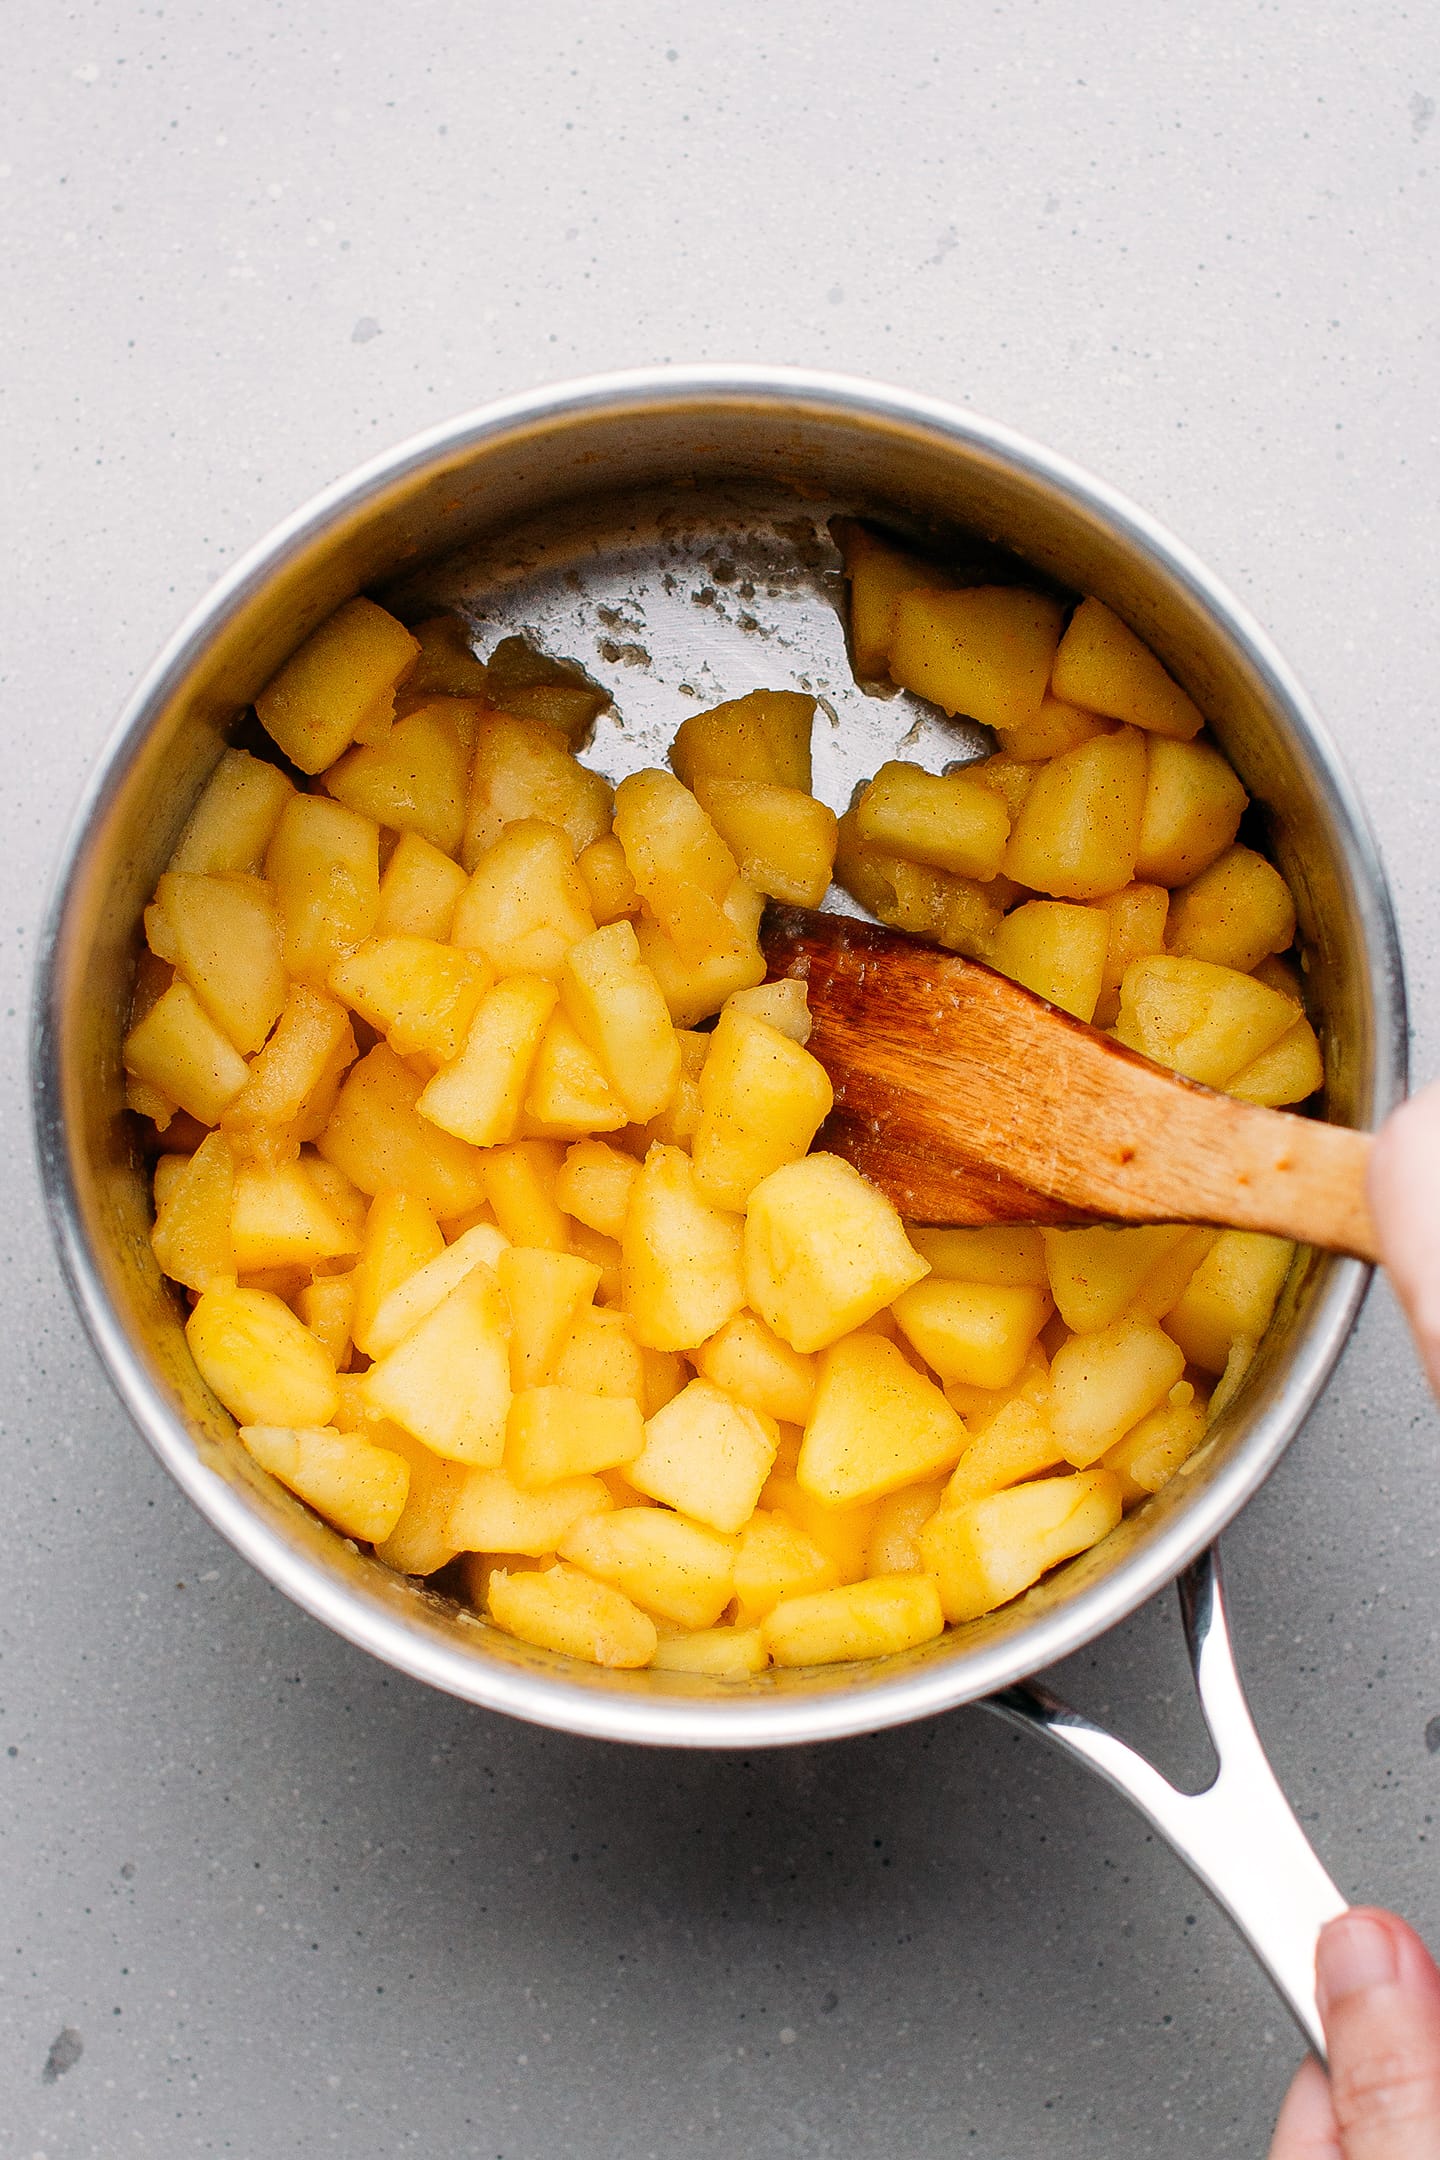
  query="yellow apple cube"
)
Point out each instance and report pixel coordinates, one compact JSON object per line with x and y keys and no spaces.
{"x":706,"y":1456}
{"x":546,"y":1291}
{"x":448,"y":1380}
{"x":419,"y":891}
{"x":877,"y":1424}
{"x":751,"y":1363}
{"x":191,"y":1239}
{"x":1199,"y":1018}
{"x":1057,"y":727}
{"x":324,"y":866}
{"x":594,"y":1185}
{"x":1194,"y":801}
{"x":978,"y":1333}
{"x":330,"y":685}
{"x":1104,"y":666}
{"x":420,"y":995}
{"x":1097,"y":1274}
{"x":1016,"y":1444}
{"x":1077,"y":833}
{"x":555,"y":1433}
{"x":493,"y":1512}
{"x":526,"y":903}
{"x":600,"y":1356}
{"x":680,"y":1256}
{"x":478,"y":1096}
{"x":292,"y":1086}
{"x":878,"y":574}
{"x":894,"y":1547}
{"x":523,"y":769}
{"x":1289,"y":1071}
{"x":1013,"y":1257}
{"x":178,"y":1050}
{"x":676,"y":1569}
{"x":358,"y":1487}
{"x":378,"y":1138}
{"x":223,"y":935}
{"x":416,"y":780}
{"x":1057,"y":950}
{"x":327,"y":1308}
{"x":876,"y":1618}
{"x":264,"y":1366}
{"x":560,"y":1609}
{"x":1102,"y":1384}
{"x":280,"y":1217}
{"x":1231,"y":1295}
{"x":762,"y":736}
{"x":693,"y":987}
{"x":616,"y":1006}
{"x":986,"y":1553}
{"x":400,"y":1236}
{"x":234,"y":821}
{"x":762,"y":1100}
{"x":569,"y":1094}
{"x":823,"y":1251}
{"x":781,"y":838}
{"x":720,"y":1653}
{"x":946,"y":820}
{"x":1152,"y":1451}
{"x":406,"y":1301}
{"x":776,"y":1560}
{"x":1234,"y":913}
{"x":985,"y":651}
{"x":1137,"y":916}
{"x":420,"y":1542}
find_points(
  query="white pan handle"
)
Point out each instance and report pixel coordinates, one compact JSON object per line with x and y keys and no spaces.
{"x":1239,"y":1836}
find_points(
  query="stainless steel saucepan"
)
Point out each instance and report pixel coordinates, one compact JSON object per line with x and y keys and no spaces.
{"x":668,"y":529}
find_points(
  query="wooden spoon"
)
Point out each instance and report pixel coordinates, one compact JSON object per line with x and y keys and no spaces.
{"x":970,"y":1100}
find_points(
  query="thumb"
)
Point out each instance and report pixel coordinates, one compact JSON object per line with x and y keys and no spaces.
{"x":1379,"y":1995}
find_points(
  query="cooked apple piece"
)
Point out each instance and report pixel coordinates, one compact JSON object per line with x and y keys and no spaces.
{"x":324,"y":866}
{"x":877,"y":1424}
{"x":594,"y":1185}
{"x":1056,"y":949}
{"x":1097,"y":1274}
{"x":987,"y":1552}
{"x":785,"y":1004}
{"x":223,"y":935}
{"x":720,"y":1653}
{"x":408,"y":1298}
{"x":1166,"y":1281}
{"x":681,"y":1257}
{"x":762,"y":736}
{"x":1136,"y":916}
{"x":842,"y":1534}
{"x":326,"y":1306}
{"x":419,"y":891}
{"x":706,"y":1456}
{"x":600,"y":1356}
{"x":479,"y":1096}
{"x":359,"y":1488}
{"x":345,"y":671}
{"x":947,"y":820}
{"x":448,"y":1380}
{"x":1235,"y":913}
{"x":523,"y":769}
{"x":493,"y":1512}
{"x":1289,"y":1071}
{"x":1057,"y":727}
{"x":292,"y":1085}
{"x":420,"y":995}
{"x":1193,"y":805}
{"x":762,"y":1099}
{"x":782,"y":839}
{"x":526,"y":903}
{"x":553,"y":1433}
{"x":191,"y":1239}
{"x":234,"y":821}
{"x":876,"y":1618}
{"x":1203,"y":1020}
{"x":378,"y":1138}
{"x":414,"y":781}
{"x":1078,"y":831}
{"x":616,"y":1006}
{"x":1017,"y":1443}
{"x":824,"y":1251}
{"x":521,"y":679}
{"x":676,"y":1569}
{"x":569,"y":1095}
{"x":775,"y":1560}
{"x":1104,"y":666}
{"x":694,"y":988}
{"x":520,"y":1181}
{"x":546,"y":1292}
{"x":609,"y":887}
{"x":265,"y":1367}
{"x":878,"y":574}
{"x":280,"y":1218}
{"x":756,"y":1368}
{"x":400,"y":1236}
{"x":1102,"y":1384}
{"x":681,"y":866}
{"x":1013,"y":1257}
{"x":1011,"y":778}
{"x":1231,"y":1294}
{"x":560,"y":1609}
{"x":178,"y":1050}
{"x":447,"y":665}
{"x":1152,"y":1451}
{"x":984,"y":651}
{"x":979,"y":1333}
{"x":421,"y":1540}
{"x":894,"y":1547}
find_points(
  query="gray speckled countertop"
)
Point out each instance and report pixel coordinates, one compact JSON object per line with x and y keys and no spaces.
{"x":260,"y":1896}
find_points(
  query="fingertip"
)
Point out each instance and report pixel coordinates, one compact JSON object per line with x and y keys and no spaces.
{"x":1306,"y":2128}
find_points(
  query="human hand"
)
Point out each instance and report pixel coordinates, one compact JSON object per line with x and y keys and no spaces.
{"x":1379,"y":1993}
{"x":1405,"y":1199}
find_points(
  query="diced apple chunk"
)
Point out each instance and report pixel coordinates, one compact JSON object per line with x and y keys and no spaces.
{"x":359,"y":1488}
{"x":448,"y":1380}
{"x":1057,"y":950}
{"x":984,"y":1256}
{"x":178,"y":1050}
{"x":986,"y":1553}
{"x":1231,"y":1295}
{"x":479,"y":1095}
{"x":413,"y":781}
{"x":594,"y":1185}
{"x":1102,"y":1384}
{"x":877,"y":1424}
{"x":876,"y":1618}
{"x":676,"y":1569}
{"x":419,"y":994}
{"x":894,"y":1547}
{"x":265,"y":1367}
{"x":681,"y":1256}
{"x":751,"y":1363}
{"x":985,"y":651}
{"x":824,"y":1251}
{"x":762,"y":1099}
{"x":762,"y":736}
{"x":947,"y":820}
{"x":1016,"y":1444}
{"x":324,"y":866}
{"x":223,"y":935}
{"x":560,"y":1609}
{"x":1235,"y":913}
{"x":493,"y":1512}
{"x":555,"y":1433}
{"x":326,"y":690}
{"x":616,"y":1006}
{"x":191,"y":1239}
{"x":378,"y":1138}
{"x":233,"y":823}
{"x":1077,"y":833}
{"x":783,"y":841}
{"x":878,"y":574}
{"x":1102,"y":665}
{"x":1201,"y":1019}
{"x":526,"y":903}
{"x":706,"y":1456}
{"x":1194,"y":801}
{"x":978,"y":1333}
{"x":720,"y":1653}
{"x":419,"y":891}
{"x":524,"y":769}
